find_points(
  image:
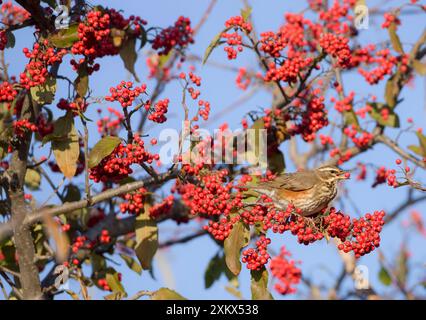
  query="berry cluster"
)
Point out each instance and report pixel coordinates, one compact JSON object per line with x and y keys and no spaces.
{"x":366,"y":234}
{"x":390,"y":19}
{"x":124,"y":93}
{"x":289,"y":69}
{"x":162,"y":208}
{"x":116,"y":166}
{"x":286,"y":272}
{"x":361,"y":141}
{"x":77,"y":107}
{"x":12,"y":15}
{"x":104,"y":237}
{"x":177,"y":37}
{"x":20,"y":127}
{"x":234,"y":39}
{"x":243,"y":80}
{"x":3,"y":40}
{"x":43,"y":125}
{"x":312,"y":119}
{"x":337,"y":47}
{"x":134,"y":202}
{"x":385,"y":63}
{"x":255,"y":259}
{"x":338,"y":225}
{"x":7,"y":93}
{"x":304,"y":229}
{"x":108,"y":126}
{"x":157,"y":114}
{"x":220,"y":230}
{"x":41,"y":57}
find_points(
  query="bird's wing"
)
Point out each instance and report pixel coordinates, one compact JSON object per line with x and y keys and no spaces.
{"x":297,"y":181}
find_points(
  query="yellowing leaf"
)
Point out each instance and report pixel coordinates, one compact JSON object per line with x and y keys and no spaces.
{"x":238,"y":238}
{"x":350,"y":118}
{"x":129,"y":56}
{"x":131,"y":263}
{"x":67,"y":148}
{"x":113,"y":281}
{"x":81,"y":83}
{"x":391,"y":120}
{"x":395,"y":41}
{"x":385,"y":277}
{"x":246,"y":12}
{"x":55,"y":232}
{"x":32,"y":179}
{"x":419,"y":67}
{"x":103,"y":148}
{"x":146,"y":239}
{"x":166,"y":294}
{"x":259,"y":285}
{"x":44,"y":93}
{"x":391,"y":92}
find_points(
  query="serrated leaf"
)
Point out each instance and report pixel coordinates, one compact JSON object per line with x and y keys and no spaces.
{"x":246,"y":12}
{"x":385,"y":277}
{"x":132,"y":263}
{"x":418,"y":150}
{"x":102,"y":149}
{"x":113,"y":281}
{"x":213,"y":44}
{"x":65,"y":38}
{"x":44,"y":93}
{"x":419,"y":67}
{"x":259,"y":285}
{"x":146,"y":239}
{"x":395,"y":41}
{"x":213,"y":271}
{"x":166,"y":294}
{"x":392,"y":119}
{"x":276,"y":162}
{"x":237,"y":239}
{"x":81,"y":83}
{"x":32,"y":179}
{"x":129,"y":56}
{"x":66,"y":148}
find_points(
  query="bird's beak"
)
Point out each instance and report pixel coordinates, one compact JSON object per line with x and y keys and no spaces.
{"x":344,"y":175}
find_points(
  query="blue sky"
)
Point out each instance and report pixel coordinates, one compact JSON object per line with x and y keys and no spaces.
{"x":182,"y":267}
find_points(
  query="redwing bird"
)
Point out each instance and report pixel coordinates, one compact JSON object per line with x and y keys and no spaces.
{"x":310,"y":191}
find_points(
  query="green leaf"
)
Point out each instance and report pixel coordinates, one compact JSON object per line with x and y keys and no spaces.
{"x":113,"y":281}
{"x":419,"y":67}
{"x":72,"y":193}
{"x":259,"y":285}
{"x":385,"y":277}
{"x":32,"y":179}
{"x":238,"y":238}
{"x":67,"y":148}
{"x":391,"y":91}
{"x":213,"y":44}
{"x":132,"y":263}
{"x":44,"y":93}
{"x":392,"y":119}
{"x":395,"y":41}
{"x":350,"y":118}
{"x":422,"y":141}
{"x":81,"y":83}
{"x":65,"y":38}
{"x":213,"y":271}
{"x":102,"y":149}
{"x":129,"y":56}
{"x":146,"y":239}
{"x":276,"y":162}
{"x":10,"y":39}
{"x":166,"y":294}
{"x":416,"y":149}
{"x":246,"y":12}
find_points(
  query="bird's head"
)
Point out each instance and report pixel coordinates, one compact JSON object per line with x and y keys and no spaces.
{"x":332,"y":173}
